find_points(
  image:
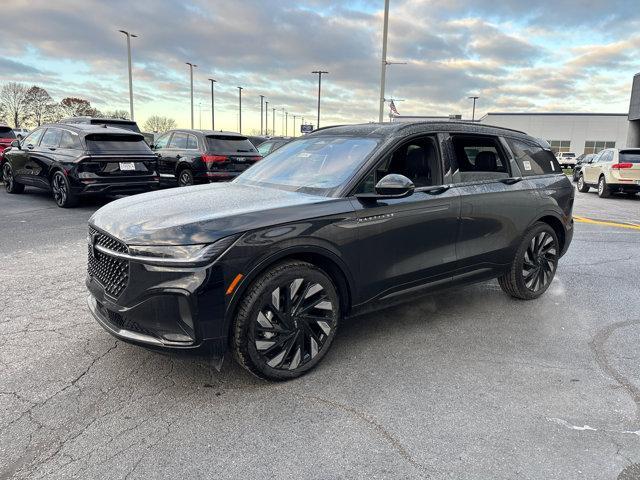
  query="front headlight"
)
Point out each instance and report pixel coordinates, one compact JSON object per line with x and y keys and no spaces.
{"x":180,"y":255}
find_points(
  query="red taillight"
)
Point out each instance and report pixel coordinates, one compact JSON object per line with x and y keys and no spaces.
{"x":618,"y":166}
{"x":255,"y":159}
{"x":214,"y":158}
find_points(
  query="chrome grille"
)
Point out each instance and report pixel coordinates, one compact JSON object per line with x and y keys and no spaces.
{"x":112,"y":273}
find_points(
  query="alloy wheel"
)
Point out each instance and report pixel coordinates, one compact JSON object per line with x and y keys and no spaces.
{"x":59,"y":187}
{"x":293,"y":324}
{"x":540,"y":262}
{"x":580,"y":182}
{"x":7,"y":177}
{"x":185,"y":179}
{"x":601,"y":186}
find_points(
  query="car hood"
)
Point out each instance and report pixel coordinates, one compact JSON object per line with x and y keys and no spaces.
{"x":205,"y":213}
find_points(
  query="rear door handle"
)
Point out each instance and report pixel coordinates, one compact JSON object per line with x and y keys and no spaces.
{"x":511,"y":181}
{"x":178,"y":157}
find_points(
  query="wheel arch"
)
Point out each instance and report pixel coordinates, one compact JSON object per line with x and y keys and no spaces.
{"x":558,"y":227}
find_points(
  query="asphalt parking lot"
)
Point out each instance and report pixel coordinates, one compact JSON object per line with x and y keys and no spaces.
{"x":460,"y":384}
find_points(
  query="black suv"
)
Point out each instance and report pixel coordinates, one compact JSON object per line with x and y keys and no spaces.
{"x":186,"y":157}
{"x":74,"y":160}
{"x":327,"y":226}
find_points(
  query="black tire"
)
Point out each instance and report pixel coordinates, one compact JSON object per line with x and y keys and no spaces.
{"x":582,"y":186}
{"x":10,"y":184}
{"x":61,"y":190}
{"x":603,"y":188}
{"x":286,"y":321}
{"x":534,"y":265}
{"x":185,"y":177}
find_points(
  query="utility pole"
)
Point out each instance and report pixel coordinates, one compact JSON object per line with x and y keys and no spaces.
{"x":129,"y":35}
{"x":213,"y":118}
{"x":383,"y":71}
{"x":319,"y":73}
{"x":240,"y":109}
{"x":191,"y":67}
{"x":266,"y":117}
{"x":294,"y":125}
{"x":273,"y":122}
{"x":473,"y":113}
{"x":261,"y":105}
{"x":282,"y":127}
{"x":286,"y":124}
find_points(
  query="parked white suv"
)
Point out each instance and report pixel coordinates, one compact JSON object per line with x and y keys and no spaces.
{"x":566,"y":159}
{"x":612,"y":170}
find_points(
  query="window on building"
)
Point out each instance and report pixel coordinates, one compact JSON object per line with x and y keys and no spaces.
{"x":560,"y":145}
{"x":595,"y":146}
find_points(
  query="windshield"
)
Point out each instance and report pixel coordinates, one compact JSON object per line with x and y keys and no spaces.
{"x":315,"y":165}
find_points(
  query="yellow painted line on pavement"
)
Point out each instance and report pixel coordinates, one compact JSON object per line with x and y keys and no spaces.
{"x":609,"y":224}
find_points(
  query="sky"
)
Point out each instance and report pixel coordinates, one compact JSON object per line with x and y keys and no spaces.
{"x":533,"y":55}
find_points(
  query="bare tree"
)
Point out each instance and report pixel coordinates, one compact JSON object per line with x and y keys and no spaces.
{"x":40,"y":105}
{"x":119,"y":114}
{"x":13,"y":103}
{"x":156,"y":123}
{"x":78,"y":107}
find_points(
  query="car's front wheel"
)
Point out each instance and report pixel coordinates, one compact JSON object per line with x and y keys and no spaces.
{"x":534,"y":265}
{"x":582,"y":186}
{"x":286,"y":321}
{"x":61,"y":190}
{"x":10,"y":183}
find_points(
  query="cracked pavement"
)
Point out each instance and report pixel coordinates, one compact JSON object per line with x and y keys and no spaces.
{"x":460,"y":384}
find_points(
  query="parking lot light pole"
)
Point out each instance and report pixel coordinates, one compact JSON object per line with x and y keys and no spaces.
{"x":282,"y":123}
{"x":286,"y":124}
{"x":319,"y":73}
{"x":129,"y":35}
{"x":261,"y":106}
{"x":191,"y":67}
{"x":473,"y":112}
{"x":213,"y":117}
{"x":273,"y":122}
{"x":294,"y":125}
{"x":266,"y":117}
{"x":383,"y":72}
{"x":240,"y":109}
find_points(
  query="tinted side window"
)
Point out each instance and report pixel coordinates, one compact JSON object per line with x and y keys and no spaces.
{"x":533,"y":159}
{"x":478,"y":158}
{"x":162,"y":141}
{"x":69,"y":140}
{"x":179,"y":140}
{"x":192,"y":142}
{"x":51,"y":138}
{"x":33,"y":138}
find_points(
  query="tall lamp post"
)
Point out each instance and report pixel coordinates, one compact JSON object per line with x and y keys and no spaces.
{"x":473,"y":112}
{"x":266,"y":117}
{"x":240,"y":109}
{"x":191,"y":67}
{"x":294,"y":125}
{"x":261,"y":106}
{"x":129,"y":35}
{"x":286,"y":124}
{"x":213,"y":117}
{"x":319,"y":73}
{"x":273,"y":121}
{"x":383,"y":71}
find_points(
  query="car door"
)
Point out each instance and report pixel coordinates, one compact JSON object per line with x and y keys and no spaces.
{"x":407,"y":242}
{"x":42,"y":157}
{"x":175,"y":151}
{"x":495,"y":203}
{"x":20,"y":157}
{"x":160,"y":149}
{"x":588,"y":169}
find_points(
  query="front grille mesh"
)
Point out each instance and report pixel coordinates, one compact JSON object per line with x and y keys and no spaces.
{"x":112,"y":273}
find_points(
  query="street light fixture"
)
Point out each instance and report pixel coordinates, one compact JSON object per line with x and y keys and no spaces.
{"x":319,"y":73}
{"x":129,"y":35}
{"x":473,"y":113}
{"x":191,"y":67}
{"x":240,"y":109}
{"x":213,"y":118}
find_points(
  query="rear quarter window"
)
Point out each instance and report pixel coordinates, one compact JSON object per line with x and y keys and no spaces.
{"x":116,"y":143}
{"x":533,"y":159}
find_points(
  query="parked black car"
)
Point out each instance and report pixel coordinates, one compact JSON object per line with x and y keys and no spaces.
{"x":111,"y":122}
{"x":75,"y":160}
{"x":272,"y":144}
{"x":580,"y":162}
{"x":186,"y":157}
{"x":257,"y":140}
{"x":328,"y":226}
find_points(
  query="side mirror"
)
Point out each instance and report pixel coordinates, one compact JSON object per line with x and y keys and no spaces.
{"x":390,"y":186}
{"x":16,"y":144}
{"x":152,"y":146}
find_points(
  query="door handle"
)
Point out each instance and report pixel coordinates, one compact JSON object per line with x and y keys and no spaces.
{"x":511,"y":181}
{"x":437,"y":190}
{"x":178,"y":157}
{"x":52,"y":148}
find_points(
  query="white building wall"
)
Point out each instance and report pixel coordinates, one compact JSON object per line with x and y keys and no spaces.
{"x":577,"y":128}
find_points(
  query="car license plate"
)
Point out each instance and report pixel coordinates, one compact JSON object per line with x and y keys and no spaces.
{"x":127,"y":166}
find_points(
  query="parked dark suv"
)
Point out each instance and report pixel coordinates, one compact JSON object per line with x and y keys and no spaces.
{"x":186,"y":157}
{"x":74,"y":160}
{"x":327,"y":226}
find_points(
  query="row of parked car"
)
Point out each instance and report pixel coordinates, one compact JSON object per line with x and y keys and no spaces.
{"x":612,"y":170}
{"x":95,"y":156}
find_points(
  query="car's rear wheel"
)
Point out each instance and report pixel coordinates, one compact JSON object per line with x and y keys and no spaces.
{"x":534,"y":265}
{"x":582,"y":186}
{"x":185,"y":177}
{"x":61,"y":190}
{"x":10,"y":183}
{"x":603,"y":188}
{"x":286,"y":321}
